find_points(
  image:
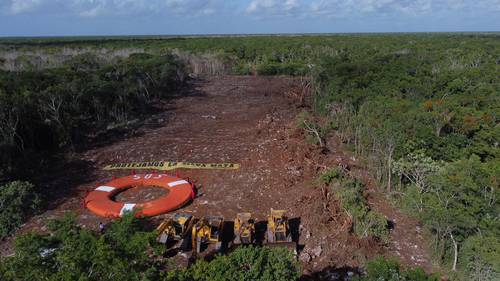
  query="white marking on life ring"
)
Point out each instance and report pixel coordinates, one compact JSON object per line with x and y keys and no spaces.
{"x":127,"y":208}
{"x":174,"y":183}
{"x":105,"y":188}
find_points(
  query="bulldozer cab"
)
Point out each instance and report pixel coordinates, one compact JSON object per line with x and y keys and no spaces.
{"x":243,"y":220}
{"x":207,"y":230}
{"x":215,"y":224}
{"x":278,"y":232}
{"x":181,"y":223}
{"x":244,"y":228}
{"x":174,"y":228}
{"x":278,"y":214}
{"x":278,"y":220}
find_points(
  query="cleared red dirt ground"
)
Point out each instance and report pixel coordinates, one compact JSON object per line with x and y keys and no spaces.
{"x":246,"y":120}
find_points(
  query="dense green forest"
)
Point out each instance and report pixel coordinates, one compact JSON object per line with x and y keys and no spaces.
{"x":425,"y":119}
{"x":421,"y":111}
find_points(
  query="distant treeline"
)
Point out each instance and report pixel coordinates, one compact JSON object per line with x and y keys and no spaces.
{"x":267,"y":55}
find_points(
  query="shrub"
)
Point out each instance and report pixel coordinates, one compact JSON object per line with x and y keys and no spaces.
{"x":481,"y":257}
{"x":73,"y":253}
{"x":18,"y":200}
{"x":274,"y":68}
{"x":382,"y":269}
{"x":242,"y":69}
{"x":245,"y":263}
{"x":328,"y":176}
{"x":366,"y":222}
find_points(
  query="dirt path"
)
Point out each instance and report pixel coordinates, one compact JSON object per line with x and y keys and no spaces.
{"x":246,"y":120}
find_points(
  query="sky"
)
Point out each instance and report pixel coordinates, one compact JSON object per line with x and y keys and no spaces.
{"x":173,"y":17}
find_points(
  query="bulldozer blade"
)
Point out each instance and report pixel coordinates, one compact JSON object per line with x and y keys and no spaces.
{"x":218,"y":246}
{"x":237,"y":240}
{"x":198,"y":245}
{"x":163,"y":238}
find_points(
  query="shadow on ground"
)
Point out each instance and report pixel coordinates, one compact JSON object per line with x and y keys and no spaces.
{"x":160,"y":110}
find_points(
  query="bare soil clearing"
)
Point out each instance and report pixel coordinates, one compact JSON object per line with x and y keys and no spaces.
{"x":246,"y":120}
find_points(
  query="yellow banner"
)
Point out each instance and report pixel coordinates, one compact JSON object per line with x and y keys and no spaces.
{"x":169,"y":165}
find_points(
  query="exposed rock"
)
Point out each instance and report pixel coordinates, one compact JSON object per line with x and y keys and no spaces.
{"x":316,"y":251}
{"x":295,"y":170}
{"x":305,"y":257}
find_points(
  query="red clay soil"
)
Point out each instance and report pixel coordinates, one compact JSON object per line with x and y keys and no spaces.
{"x":246,"y":120}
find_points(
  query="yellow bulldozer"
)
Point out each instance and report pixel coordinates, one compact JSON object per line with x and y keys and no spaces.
{"x":244,"y":229}
{"x":278,"y":230}
{"x":175,"y":232}
{"x":206,"y":231}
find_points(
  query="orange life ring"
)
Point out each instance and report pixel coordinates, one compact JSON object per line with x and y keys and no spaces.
{"x":100,"y":202}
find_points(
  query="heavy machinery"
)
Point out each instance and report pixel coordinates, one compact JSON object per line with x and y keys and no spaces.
{"x":208,"y":230}
{"x":244,"y":229}
{"x":175,"y":231}
{"x":278,"y":230}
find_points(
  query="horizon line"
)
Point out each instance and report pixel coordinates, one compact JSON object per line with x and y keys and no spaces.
{"x":200,"y":35}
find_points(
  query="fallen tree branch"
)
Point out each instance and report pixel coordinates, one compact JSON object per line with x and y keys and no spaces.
{"x":310,"y":129}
